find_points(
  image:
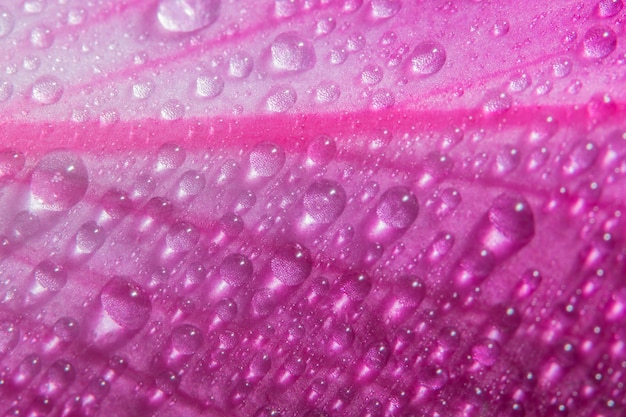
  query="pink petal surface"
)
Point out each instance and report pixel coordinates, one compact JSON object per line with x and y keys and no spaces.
{"x":343,"y":208}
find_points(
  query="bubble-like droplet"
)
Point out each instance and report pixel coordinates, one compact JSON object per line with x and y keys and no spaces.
{"x":170,"y":156}
{"x":372,"y":74}
{"x":562,"y":67}
{"x":240,"y":65}
{"x":266,"y":159}
{"x":292,"y":264}
{"x":89,"y":238}
{"x":321,"y":150}
{"x":9,"y":337}
{"x":47,"y":89}
{"x":41,"y":37}
{"x":172,"y":110}
{"x":116,"y":203}
{"x":187,"y":15}
{"x":324,"y":201}
{"x":327,"y":92}
{"x":66,"y":329}
{"x":190,"y":184}
{"x":281,"y":98}
{"x":324,"y":26}
{"x":398,"y":208}
{"x":581,"y":158}
{"x":497,"y":103}
{"x":186,"y":339}
{"x":356,"y":286}
{"x":209,"y":85}
{"x":384,"y":9}
{"x":236,"y":269}
{"x":356,"y":42}
{"x":486,"y":352}
{"x":599,"y":42}
{"x":7,"y":22}
{"x":519,"y":82}
{"x":34,"y":6}
{"x":609,"y":8}
{"x":57,"y":379}
{"x":291,"y":52}
{"x":6,"y":90}
{"x":500,"y":28}
{"x":428,"y":58}
{"x":59,"y":181}
{"x":143,"y":89}
{"x":182,"y":237}
{"x":50,"y":276}
{"x":126,"y":303}
{"x":513,"y":217}
{"x":11,"y":163}
{"x":382,"y":99}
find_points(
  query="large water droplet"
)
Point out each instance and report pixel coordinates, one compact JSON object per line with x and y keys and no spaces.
{"x":11,"y":163}
{"x":599,"y":42}
{"x":49,"y":276}
{"x":7,"y":21}
{"x":126,"y":303}
{"x":324,"y":201}
{"x":47,"y":90}
{"x":266,"y":159}
{"x":609,"y":8}
{"x":281,"y":98}
{"x":236,"y":269}
{"x":240,"y":65}
{"x":292,"y":264}
{"x":398,"y":208}
{"x":513,"y":218}
{"x":428,"y":58}
{"x":170,"y":156}
{"x":187,"y":15}
{"x":209,"y":85}
{"x":290,"y":52}
{"x":59,"y":181}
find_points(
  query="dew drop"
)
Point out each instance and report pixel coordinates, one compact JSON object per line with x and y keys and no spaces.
{"x":384,"y":9}
{"x":209,"y":86}
{"x":41,"y":37}
{"x":7,"y":22}
{"x":428,"y":58}
{"x":382,"y":99}
{"x":59,"y":181}
{"x":190,"y":184}
{"x":497,"y":103}
{"x":513,"y":217}
{"x":398,"y":208}
{"x":562,"y":67}
{"x":116,"y":203}
{"x":57,"y":379}
{"x":170,"y":156}
{"x":324,"y":201}
{"x":325,"y":26}
{"x":581,"y":158}
{"x":126,"y":303}
{"x":327,"y":92}
{"x":186,"y":339}
{"x":321,"y":150}
{"x":34,"y":6}
{"x":236,"y":269}
{"x":355,"y":42}
{"x":356,"y":286}
{"x":599,"y":42}
{"x":50,"y":276}
{"x":338,"y":56}
{"x":143,"y":89}
{"x":240,"y":65}
{"x":292,"y":264}
{"x":187,"y":15}
{"x":500,"y":28}
{"x":371,"y":74}
{"x":609,"y":8}
{"x":9,"y":337}
{"x":76,"y":16}
{"x":266,"y":159}
{"x":486,"y":352}
{"x":292,"y":53}
{"x":172,"y":110}
{"x":11,"y":163}
{"x":47,"y":90}
{"x":182,"y":237}
{"x":6,"y":90}
{"x":89,"y":237}
{"x":66,"y":329}
{"x":519,"y":82}
{"x":281,"y":98}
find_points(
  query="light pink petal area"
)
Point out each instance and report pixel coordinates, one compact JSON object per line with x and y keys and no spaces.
{"x":312,"y":208}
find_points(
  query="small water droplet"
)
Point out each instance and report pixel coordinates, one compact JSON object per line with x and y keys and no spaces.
{"x":324,"y":201}
{"x":428,"y":58}
{"x":266,"y":159}
{"x":327,"y":92}
{"x":321,"y":150}
{"x":562,"y":67}
{"x":382,"y":99}
{"x":355,"y":42}
{"x":599,"y":42}
{"x":41,"y":37}
{"x":6,"y":90}
{"x":371,"y":74}
{"x":325,"y":26}
{"x":397,"y":208}
{"x":11,"y":163}
{"x":281,"y":98}
{"x":9,"y":337}
{"x":126,"y":303}
{"x":384,"y":9}
{"x":143,"y":89}
{"x":581,"y":158}
{"x":291,"y":52}
{"x":34,"y":6}
{"x":209,"y":85}
{"x":7,"y":22}
{"x":50,"y":276}
{"x":500,"y":28}
{"x":497,"y":103}
{"x":170,"y":156}
{"x":89,"y":238}
{"x":236,"y":269}
{"x":59,"y":181}
{"x":187,"y":15}
{"x":172,"y":110}
{"x":47,"y":89}
{"x":292,"y":264}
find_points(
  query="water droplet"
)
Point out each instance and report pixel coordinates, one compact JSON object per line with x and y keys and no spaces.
{"x":49,"y":276}
{"x":292,"y":264}
{"x":599,"y":42}
{"x":428,"y":58}
{"x":41,"y":37}
{"x":9,"y":337}
{"x":290,"y":52}
{"x":324,"y":201}
{"x":187,"y":15}
{"x":7,"y":22}
{"x":281,"y":98}
{"x":397,"y":208}
{"x":209,"y":86}
{"x":47,"y":90}
{"x":26,"y":371}
{"x":89,"y":238}
{"x":609,"y":8}
{"x":186,"y":340}
{"x":6,"y":90}
{"x":500,"y":28}
{"x":57,"y":379}
{"x":172,"y":110}
{"x":384,"y":9}
{"x":236,"y":269}
{"x":66,"y":329}
{"x":327,"y":92}
{"x":182,"y":237}
{"x":126,"y":303}
{"x":34,"y":6}
{"x":11,"y":163}
{"x":486,"y":352}
{"x":116,"y":204}
{"x":371,"y":74}
{"x":355,"y":42}
{"x":382,"y":99}
{"x":59,"y":181}
{"x":356,"y":286}
{"x":240,"y":65}
{"x":528,"y":283}
{"x":190,"y":184}
{"x":581,"y":158}
{"x":76,"y":16}
{"x":325,"y":26}
{"x":338,"y":56}
{"x":170,"y":156}
{"x":513,"y":218}
{"x":562,"y":67}
{"x":266,"y":159}
{"x":143,"y":89}
{"x":507,"y":160}
{"x":519,"y":82}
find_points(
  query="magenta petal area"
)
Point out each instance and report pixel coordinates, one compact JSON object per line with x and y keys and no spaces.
{"x":307,"y":208}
